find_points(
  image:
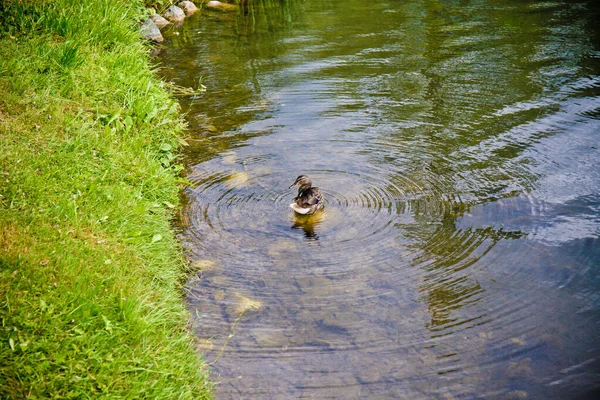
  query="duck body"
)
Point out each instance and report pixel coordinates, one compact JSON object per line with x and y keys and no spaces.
{"x":309,"y":199}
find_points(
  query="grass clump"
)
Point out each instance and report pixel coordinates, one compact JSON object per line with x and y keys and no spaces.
{"x":90,"y":270}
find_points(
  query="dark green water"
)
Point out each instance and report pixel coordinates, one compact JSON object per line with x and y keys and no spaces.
{"x":457,"y":144}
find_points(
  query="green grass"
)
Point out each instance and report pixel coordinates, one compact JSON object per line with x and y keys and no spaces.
{"x":90,"y":270}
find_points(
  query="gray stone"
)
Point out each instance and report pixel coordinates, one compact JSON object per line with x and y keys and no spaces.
{"x":217,"y":5}
{"x":159,"y":21}
{"x":150,"y":31}
{"x":188,"y":7}
{"x":174,"y":14}
{"x":269,"y":338}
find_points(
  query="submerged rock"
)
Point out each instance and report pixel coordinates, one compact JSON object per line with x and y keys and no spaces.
{"x":219,"y":295}
{"x":174,"y":14}
{"x":210,"y":128}
{"x":188,"y":7}
{"x":229,"y":158}
{"x":269,"y":338}
{"x":519,"y":370}
{"x":238,"y":304}
{"x":516,"y":395}
{"x":204,"y":346}
{"x":203,"y":266}
{"x":238,"y":180}
{"x":159,"y":21}
{"x":150,"y":31}
{"x":217,"y":5}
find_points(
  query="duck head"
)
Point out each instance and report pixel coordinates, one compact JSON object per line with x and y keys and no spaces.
{"x":303,"y":182}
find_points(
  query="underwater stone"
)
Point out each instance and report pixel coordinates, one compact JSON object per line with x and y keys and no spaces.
{"x":219,"y":281}
{"x":238,"y":180}
{"x":150,"y":31}
{"x":219,"y":295}
{"x":519,"y":370}
{"x":159,"y":21}
{"x":238,"y":304}
{"x":174,"y":14}
{"x":269,"y":338}
{"x":203,"y":265}
{"x":188,"y":7}
{"x":217,"y":5}
{"x":211,"y":128}
{"x":204,"y":346}
{"x":229,"y":158}
{"x":516,"y":395}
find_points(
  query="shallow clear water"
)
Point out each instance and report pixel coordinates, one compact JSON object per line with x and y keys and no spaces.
{"x":457,"y":145}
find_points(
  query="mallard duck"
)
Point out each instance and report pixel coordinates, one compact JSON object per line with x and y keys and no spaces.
{"x":309,"y":199}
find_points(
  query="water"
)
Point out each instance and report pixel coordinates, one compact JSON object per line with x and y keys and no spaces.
{"x":457,"y":145}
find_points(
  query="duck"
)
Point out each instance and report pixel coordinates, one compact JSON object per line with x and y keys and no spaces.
{"x":309,"y":199}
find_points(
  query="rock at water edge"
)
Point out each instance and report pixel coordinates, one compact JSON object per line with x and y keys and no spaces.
{"x":159,"y":21}
{"x":217,"y":5}
{"x":188,"y":7}
{"x":174,"y":14}
{"x":150,"y":31}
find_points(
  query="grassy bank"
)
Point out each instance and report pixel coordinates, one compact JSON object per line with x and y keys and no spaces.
{"x":90,"y":270}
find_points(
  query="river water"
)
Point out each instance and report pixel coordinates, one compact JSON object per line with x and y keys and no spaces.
{"x":457,"y":144}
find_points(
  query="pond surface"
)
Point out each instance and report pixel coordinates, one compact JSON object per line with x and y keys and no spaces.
{"x":457,"y":144}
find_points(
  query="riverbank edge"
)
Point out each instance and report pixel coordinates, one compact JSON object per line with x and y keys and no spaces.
{"x":91,"y":272}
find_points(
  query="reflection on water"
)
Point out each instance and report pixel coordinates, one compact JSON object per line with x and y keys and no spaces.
{"x":308,"y":224}
{"x":457,"y":147}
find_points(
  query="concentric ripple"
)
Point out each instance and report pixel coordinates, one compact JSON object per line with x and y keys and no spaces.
{"x":456,"y":147}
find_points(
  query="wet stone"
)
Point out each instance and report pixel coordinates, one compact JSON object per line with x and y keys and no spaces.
{"x":188,"y":7}
{"x":517,"y":341}
{"x":219,"y":295}
{"x":174,"y":14}
{"x":204,"y":346}
{"x":238,"y":180}
{"x":217,"y":5}
{"x":204,"y":265}
{"x":515,"y":395}
{"x":210,"y":128}
{"x":269,"y":338}
{"x":485,"y":335}
{"x":159,"y":20}
{"x":519,"y":370}
{"x":553,"y":341}
{"x":238,"y":304}
{"x":150,"y":31}
{"x":229,"y":158}
{"x":220,"y":281}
